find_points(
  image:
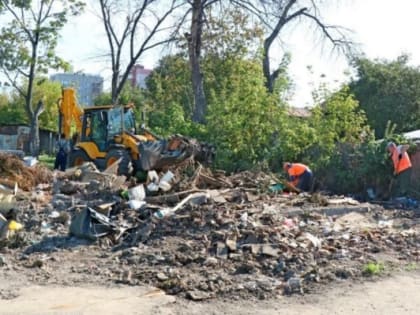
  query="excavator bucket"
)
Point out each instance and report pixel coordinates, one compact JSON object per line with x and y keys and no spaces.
{"x":177,"y":149}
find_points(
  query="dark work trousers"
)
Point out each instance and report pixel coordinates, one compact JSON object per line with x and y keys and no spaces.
{"x":305,"y":181}
{"x":60,"y":160}
{"x":402,"y":187}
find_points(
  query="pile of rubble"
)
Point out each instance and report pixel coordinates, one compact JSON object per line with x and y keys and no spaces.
{"x":202,"y":234}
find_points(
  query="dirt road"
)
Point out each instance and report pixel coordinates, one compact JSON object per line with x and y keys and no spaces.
{"x":398,"y":294}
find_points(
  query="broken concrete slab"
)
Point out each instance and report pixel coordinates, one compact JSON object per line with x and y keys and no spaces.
{"x":198,"y":295}
{"x":231,"y":244}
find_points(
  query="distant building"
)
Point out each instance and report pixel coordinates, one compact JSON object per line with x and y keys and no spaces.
{"x":88,"y":86}
{"x":138,"y":76}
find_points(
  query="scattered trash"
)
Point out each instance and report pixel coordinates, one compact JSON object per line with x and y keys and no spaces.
{"x":136,"y":204}
{"x":8,"y":227}
{"x":91,"y":224}
{"x":371,"y":193}
{"x":30,"y":161}
{"x":15,"y":226}
{"x":289,"y":223}
{"x":277,"y":187}
{"x":137,"y":193}
{"x":165,"y":181}
{"x":161,"y":213}
{"x":316,"y":242}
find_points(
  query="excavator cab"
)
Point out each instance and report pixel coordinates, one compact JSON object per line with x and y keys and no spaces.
{"x":105,"y":137}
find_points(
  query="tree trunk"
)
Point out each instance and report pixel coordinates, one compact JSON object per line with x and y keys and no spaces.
{"x":269,"y":84}
{"x":194,"y":49}
{"x":34,"y":143}
{"x":114,"y":85}
{"x":34,"y":138}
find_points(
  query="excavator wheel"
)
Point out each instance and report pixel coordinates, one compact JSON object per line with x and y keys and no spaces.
{"x":125,"y":167}
{"x":78,"y":157}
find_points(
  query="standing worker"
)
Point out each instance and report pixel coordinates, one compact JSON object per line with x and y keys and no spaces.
{"x":299,"y":175}
{"x":63,"y":149}
{"x":402,"y":166}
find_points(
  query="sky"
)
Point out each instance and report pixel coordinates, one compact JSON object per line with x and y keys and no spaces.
{"x":384,"y":29}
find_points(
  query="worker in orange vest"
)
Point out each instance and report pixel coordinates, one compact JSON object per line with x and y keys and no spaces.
{"x":299,"y":175}
{"x":402,"y":166}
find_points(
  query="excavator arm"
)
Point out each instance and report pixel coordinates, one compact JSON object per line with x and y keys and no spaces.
{"x":69,"y":112}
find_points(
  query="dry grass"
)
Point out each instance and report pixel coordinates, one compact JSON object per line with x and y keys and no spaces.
{"x":13,"y":169}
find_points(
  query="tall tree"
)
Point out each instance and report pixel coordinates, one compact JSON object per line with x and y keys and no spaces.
{"x":277,"y":14}
{"x":228,"y":35}
{"x":194,"y":52}
{"x":132,"y":28}
{"x":388,"y":91}
{"x":207,"y":34}
{"x":27,"y":48}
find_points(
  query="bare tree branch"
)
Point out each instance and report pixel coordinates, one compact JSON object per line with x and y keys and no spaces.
{"x":128,"y":36}
{"x":276,"y":14}
{"x":341,"y":41}
{"x":14,"y":83}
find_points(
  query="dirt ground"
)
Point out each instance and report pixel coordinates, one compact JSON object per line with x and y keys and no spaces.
{"x":397,"y":294}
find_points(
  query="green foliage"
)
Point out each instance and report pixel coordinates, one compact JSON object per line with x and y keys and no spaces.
{"x":12,"y":114}
{"x":169,"y":84}
{"x":47,"y":160}
{"x":47,"y":91}
{"x":231,"y":34}
{"x":355,"y":167}
{"x":242,"y":116}
{"x":411,"y":266}
{"x":336,"y":120}
{"x":373,"y":269}
{"x":103,"y":99}
{"x":335,"y":142}
{"x":11,"y":111}
{"x":388,"y":91}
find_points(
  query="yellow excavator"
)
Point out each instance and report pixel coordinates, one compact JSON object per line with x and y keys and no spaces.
{"x":107,"y":134}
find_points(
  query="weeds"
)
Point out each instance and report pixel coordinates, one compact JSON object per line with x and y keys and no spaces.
{"x":47,"y":160}
{"x":373,"y":269}
{"x":411,"y":266}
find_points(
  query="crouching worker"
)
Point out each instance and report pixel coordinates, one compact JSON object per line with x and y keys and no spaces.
{"x":63,"y":148}
{"x":402,"y":167}
{"x":299,"y":175}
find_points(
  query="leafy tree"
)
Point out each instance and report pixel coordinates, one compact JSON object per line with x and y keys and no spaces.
{"x":209,"y":34}
{"x":337,"y":119}
{"x":49,"y":92}
{"x":243,"y":116}
{"x":27,"y":48}
{"x":11,"y":112}
{"x":169,"y":84}
{"x":388,"y":91}
{"x":169,"y":97}
{"x":194,"y":38}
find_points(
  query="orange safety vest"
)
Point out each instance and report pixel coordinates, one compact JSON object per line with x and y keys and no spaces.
{"x":400,"y":164}
{"x":296,"y":170}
